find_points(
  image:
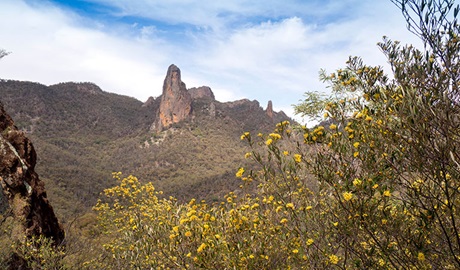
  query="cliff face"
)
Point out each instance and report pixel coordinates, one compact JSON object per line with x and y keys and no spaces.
{"x":176,"y":101}
{"x":25,"y":192}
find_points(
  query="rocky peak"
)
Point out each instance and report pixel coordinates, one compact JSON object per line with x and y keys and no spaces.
{"x":32,"y":213}
{"x":176,"y":101}
{"x":269,"y":110}
{"x":203,"y":92}
{"x":150,"y":101}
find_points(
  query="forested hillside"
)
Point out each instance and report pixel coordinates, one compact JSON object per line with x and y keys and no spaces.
{"x":83,"y":134}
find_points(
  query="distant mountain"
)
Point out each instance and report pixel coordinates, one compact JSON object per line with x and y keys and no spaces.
{"x":185,"y":142}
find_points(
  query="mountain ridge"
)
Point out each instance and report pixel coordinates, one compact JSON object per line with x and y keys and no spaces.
{"x":82,"y":133}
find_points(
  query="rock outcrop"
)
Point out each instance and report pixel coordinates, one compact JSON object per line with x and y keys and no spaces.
{"x":32,"y":213}
{"x":203,"y":92}
{"x":269,"y":110}
{"x":176,"y":101}
{"x":150,"y":101}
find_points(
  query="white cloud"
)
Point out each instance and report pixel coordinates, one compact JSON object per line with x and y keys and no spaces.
{"x":49,"y":47}
{"x":276,"y":59}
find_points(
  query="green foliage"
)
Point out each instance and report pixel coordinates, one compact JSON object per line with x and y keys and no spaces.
{"x":40,"y":253}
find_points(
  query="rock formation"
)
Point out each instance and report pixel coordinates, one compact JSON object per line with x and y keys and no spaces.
{"x":203,"y":92}
{"x":32,"y":213}
{"x":269,"y":110}
{"x":176,"y":101}
{"x":150,"y":101}
{"x":212,"y":109}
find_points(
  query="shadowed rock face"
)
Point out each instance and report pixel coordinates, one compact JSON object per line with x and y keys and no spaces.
{"x":176,"y":101}
{"x":25,"y":192}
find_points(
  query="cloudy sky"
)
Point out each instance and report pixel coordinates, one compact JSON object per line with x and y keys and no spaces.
{"x":255,"y":49}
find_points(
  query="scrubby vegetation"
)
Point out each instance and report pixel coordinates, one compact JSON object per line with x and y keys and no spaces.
{"x":377,"y":187}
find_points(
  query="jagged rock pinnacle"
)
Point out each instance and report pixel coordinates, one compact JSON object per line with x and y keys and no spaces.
{"x":176,"y":101}
{"x":269,"y":110}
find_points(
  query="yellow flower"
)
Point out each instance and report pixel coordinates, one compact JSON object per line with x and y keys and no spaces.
{"x":268,"y":142}
{"x":217,"y":236}
{"x":355,"y":154}
{"x":333,"y":259}
{"x":275,"y":136}
{"x":286,"y":153}
{"x":333,"y":126}
{"x":357,"y":182}
{"x":310,"y":242}
{"x":201,"y":248}
{"x":290,"y":205}
{"x":308,"y":207}
{"x":421,"y":256}
{"x":247,"y":155}
{"x":387,"y":193}
{"x":347,"y":195}
{"x":240,"y":172}
{"x":356,"y":145}
{"x":295,"y":251}
{"x":188,"y":233}
{"x":282,"y":221}
{"x":176,"y":228}
{"x":298,"y":158}
{"x":245,"y":135}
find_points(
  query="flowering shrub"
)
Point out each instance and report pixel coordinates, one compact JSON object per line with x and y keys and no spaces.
{"x":375,"y":188}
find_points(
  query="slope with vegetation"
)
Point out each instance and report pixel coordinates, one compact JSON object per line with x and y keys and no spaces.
{"x":83,"y":134}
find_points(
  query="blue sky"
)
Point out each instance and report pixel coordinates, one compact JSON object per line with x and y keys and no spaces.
{"x":255,"y":49}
